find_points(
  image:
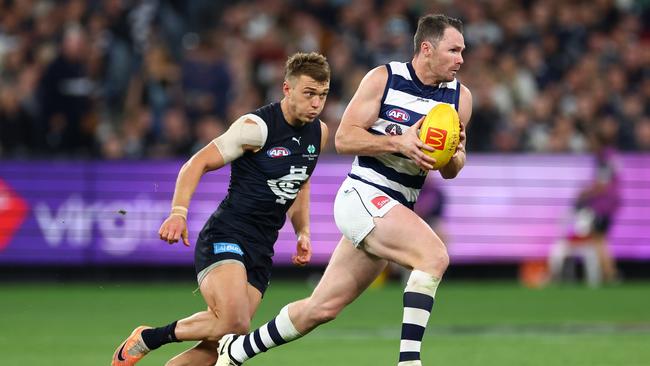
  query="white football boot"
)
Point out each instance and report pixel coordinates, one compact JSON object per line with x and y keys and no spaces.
{"x":224,"y":351}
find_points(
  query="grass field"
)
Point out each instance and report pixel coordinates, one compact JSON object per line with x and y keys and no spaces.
{"x":472,"y":324}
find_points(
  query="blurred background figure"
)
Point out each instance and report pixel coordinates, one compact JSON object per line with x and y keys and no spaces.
{"x":592,"y":217}
{"x":603,"y":197}
{"x":65,"y":96}
{"x":579,"y":242}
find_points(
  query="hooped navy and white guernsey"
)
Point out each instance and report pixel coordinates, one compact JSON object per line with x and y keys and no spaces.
{"x":406,"y":99}
{"x":264,"y":184}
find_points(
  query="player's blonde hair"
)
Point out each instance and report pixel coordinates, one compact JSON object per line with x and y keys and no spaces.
{"x":312,"y":64}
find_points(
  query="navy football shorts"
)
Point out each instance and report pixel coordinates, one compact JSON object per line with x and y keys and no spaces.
{"x":216,"y":247}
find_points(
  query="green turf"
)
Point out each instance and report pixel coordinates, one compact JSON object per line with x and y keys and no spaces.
{"x":472,"y":324}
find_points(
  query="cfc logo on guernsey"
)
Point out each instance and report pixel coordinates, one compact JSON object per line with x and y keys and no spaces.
{"x":287,"y":187}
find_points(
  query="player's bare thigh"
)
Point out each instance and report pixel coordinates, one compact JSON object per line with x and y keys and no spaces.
{"x":403,"y":237}
{"x":349,"y":272}
{"x":226,"y":291}
{"x":383,"y":227}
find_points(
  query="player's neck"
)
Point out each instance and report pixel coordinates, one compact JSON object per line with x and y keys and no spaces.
{"x":288,"y":116}
{"x":420,"y":68}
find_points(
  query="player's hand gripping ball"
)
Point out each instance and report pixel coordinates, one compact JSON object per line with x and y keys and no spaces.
{"x":441,"y":130}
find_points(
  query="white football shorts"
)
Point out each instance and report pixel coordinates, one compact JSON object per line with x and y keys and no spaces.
{"x":355,"y":206}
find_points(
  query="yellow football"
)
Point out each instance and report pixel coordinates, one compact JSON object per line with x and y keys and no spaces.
{"x":441,"y":130}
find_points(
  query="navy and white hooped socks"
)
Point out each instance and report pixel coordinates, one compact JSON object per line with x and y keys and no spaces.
{"x":272,"y":334}
{"x":418,"y":301}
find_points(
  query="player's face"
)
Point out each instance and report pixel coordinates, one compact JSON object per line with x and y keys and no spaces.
{"x":445,"y":59}
{"x":306,"y":97}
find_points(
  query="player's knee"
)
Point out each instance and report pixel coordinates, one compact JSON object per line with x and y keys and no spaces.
{"x":323,"y":313}
{"x":233,"y":323}
{"x":238,"y":325}
{"x":442,"y":260}
{"x":436,"y":262}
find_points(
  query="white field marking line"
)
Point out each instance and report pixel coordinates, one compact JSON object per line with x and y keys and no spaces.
{"x":489,"y":330}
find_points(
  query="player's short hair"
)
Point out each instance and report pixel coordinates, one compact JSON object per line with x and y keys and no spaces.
{"x":431,"y":27}
{"x":311,"y":64}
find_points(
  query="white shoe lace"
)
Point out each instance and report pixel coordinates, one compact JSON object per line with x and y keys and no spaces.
{"x":139,"y":348}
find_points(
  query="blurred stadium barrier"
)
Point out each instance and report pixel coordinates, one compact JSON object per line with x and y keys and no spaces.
{"x":502,"y":208}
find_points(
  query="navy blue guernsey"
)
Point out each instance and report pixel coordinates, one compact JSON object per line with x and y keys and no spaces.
{"x":264,"y":184}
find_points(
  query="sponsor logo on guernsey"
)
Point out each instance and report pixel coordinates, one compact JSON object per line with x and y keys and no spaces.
{"x":227,"y":248}
{"x":393,"y":129}
{"x":311,"y":152}
{"x":380,"y":201}
{"x":436,"y":138}
{"x":398,"y":115}
{"x":278,"y":152}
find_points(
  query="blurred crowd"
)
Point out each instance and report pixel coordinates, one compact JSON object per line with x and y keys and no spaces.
{"x":131,"y":79}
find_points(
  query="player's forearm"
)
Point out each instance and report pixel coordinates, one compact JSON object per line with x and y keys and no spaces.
{"x":357,"y":141}
{"x":299,"y":212}
{"x":454,"y":166}
{"x":186,"y":183}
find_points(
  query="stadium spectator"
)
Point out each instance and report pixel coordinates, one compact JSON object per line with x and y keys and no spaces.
{"x":16,"y":124}
{"x":158,"y":86}
{"x":206,"y":80}
{"x":65,"y":97}
{"x":175,"y":137}
{"x":642,"y":134}
{"x":205,"y":129}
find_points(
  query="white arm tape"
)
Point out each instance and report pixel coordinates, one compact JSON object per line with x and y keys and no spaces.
{"x":241,"y":132}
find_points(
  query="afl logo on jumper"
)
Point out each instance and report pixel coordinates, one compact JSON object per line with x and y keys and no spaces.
{"x":278,"y":152}
{"x":398,"y":115}
{"x":436,"y":138}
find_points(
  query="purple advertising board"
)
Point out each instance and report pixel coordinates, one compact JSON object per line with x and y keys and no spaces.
{"x":505,"y":208}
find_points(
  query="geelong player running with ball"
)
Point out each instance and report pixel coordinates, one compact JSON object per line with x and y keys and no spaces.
{"x":373,"y":208}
